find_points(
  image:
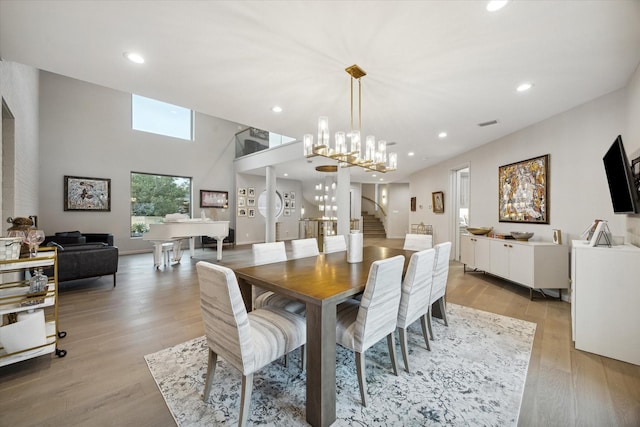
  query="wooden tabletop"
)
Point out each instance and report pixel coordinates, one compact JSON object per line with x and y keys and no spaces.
{"x":321,"y":279}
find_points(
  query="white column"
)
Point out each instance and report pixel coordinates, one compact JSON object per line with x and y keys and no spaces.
{"x":270,"y":220}
{"x":343,"y":200}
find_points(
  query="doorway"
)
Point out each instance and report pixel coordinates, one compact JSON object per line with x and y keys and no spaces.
{"x":7,"y":164}
{"x":460,"y":184}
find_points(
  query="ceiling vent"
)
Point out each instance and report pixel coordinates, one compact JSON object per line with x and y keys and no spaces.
{"x":489,"y":123}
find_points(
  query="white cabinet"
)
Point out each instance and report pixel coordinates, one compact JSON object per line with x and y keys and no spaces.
{"x":606,"y":300}
{"x":474,"y":252}
{"x":537,"y":265}
{"x":36,"y":331}
{"x":514,"y":262}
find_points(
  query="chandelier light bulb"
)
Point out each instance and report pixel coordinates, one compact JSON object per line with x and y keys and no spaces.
{"x":308,"y":145}
{"x":323,"y":131}
{"x":341,"y":143}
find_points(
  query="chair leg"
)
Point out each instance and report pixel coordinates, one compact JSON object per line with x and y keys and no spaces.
{"x":245,"y":399}
{"x":303,"y":357}
{"x":211,"y":369}
{"x":392,"y":353}
{"x":443,"y":310}
{"x":403,"y":347}
{"x":429,"y":322}
{"x":286,"y":360}
{"x":425,"y":334}
{"x":362,"y":382}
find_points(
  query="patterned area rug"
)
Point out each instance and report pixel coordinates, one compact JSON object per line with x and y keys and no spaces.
{"x":474,"y":375}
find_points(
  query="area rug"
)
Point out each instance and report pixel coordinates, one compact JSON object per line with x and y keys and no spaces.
{"x":474,"y":375}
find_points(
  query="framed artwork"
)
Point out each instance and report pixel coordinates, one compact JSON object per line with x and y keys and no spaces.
{"x":292,"y":195}
{"x":287,"y":212}
{"x":251,"y":202}
{"x":557,"y":237}
{"x":286,"y":195}
{"x":523,"y":191}
{"x":214,"y":199}
{"x":251,"y":192}
{"x":242,"y":211}
{"x":437,"y":198}
{"x":242,"y":191}
{"x":241,"y":201}
{"x":287,"y":202}
{"x":252,"y":212}
{"x":413,"y":204}
{"x":87,"y":194}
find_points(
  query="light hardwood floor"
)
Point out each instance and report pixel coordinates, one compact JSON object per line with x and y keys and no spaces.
{"x":104,"y":380}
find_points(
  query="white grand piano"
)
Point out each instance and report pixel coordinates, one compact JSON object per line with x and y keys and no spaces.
{"x":181,"y":229}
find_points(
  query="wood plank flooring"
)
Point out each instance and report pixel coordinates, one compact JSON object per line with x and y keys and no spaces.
{"x":104,"y":380}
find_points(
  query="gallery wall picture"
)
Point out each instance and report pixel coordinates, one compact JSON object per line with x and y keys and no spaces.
{"x":214,"y":199}
{"x":523,"y":191}
{"x":437,"y":198}
{"x":87,"y":194}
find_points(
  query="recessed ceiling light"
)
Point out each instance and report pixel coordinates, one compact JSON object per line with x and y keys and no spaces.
{"x":134,"y":57}
{"x":381,"y":179}
{"x":524,"y":87}
{"x":276,"y":109}
{"x":442,"y":135}
{"x":286,"y":174}
{"x":410,"y":153}
{"x":494,"y":5}
{"x":373,"y":175}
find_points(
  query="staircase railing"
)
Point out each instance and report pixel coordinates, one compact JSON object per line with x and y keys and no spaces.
{"x":375,"y":204}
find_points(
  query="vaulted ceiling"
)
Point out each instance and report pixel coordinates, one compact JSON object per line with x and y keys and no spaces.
{"x":432,"y":66}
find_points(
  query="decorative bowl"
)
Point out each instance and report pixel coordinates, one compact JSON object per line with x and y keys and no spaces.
{"x":479,"y":231}
{"x":521,"y":235}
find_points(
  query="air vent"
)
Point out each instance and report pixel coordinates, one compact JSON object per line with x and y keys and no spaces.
{"x":489,"y":123}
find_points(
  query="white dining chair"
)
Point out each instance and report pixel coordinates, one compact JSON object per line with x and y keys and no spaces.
{"x":360,"y":324}
{"x":439,"y":287}
{"x":414,"y":301}
{"x":247,"y":341}
{"x":335,"y":243}
{"x":303,"y":248}
{"x":268,"y":253}
{"x":417,"y":242}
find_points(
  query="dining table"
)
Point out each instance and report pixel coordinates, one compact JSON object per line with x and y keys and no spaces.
{"x":321,"y":282}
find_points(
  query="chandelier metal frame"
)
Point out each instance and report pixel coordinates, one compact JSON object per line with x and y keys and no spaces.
{"x":375,"y":155}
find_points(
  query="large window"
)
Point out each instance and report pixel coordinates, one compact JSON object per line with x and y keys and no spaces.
{"x":154,"y":196}
{"x":150,"y":115}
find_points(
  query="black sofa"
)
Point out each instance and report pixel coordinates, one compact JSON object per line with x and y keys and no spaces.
{"x":84,"y":255}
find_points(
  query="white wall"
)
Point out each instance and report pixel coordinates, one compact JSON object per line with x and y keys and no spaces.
{"x":576,"y":141}
{"x":632,"y":145}
{"x":252,"y":230}
{"x":86,"y":130}
{"x":20,"y":91}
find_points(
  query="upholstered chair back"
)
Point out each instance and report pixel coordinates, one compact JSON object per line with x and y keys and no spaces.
{"x":417,"y":242}
{"x":440,"y":270}
{"x":336,"y":243}
{"x":267,"y":253}
{"x":303,"y":248}
{"x":226,"y":323}
{"x":416,"y":287}
{"x":378,"y":312}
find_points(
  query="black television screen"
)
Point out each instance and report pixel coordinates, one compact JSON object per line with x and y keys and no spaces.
{"x":624,"y":193}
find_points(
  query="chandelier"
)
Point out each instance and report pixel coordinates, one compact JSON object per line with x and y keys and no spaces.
{"x":374,"y":157}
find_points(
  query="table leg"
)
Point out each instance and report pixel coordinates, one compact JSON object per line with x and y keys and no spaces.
{"x":321,"y":364}
{"x":246,"y":291}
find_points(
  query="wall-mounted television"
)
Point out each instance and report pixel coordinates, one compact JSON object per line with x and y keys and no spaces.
{"x":622,"y":185}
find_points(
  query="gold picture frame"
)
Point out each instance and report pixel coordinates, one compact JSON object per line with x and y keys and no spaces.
{"x":437,"y":200}
{"x":523,"y":192}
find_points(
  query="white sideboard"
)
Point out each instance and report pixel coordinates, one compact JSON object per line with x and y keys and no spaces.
{"x":537,"y":265}
{"x":605,"y":302}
